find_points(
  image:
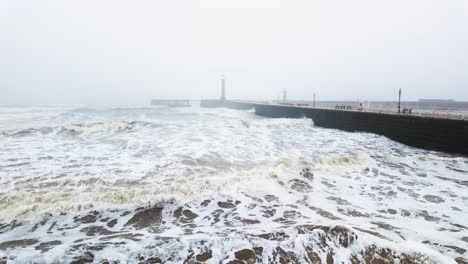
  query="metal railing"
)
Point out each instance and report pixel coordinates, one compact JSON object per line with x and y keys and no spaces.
{"x":427,"y":113}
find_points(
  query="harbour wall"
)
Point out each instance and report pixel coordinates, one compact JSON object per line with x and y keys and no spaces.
{"x":438,"y":134}
{"x":228,"y":104}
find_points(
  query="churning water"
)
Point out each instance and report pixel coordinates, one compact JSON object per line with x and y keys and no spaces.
{"x":190,"y":185}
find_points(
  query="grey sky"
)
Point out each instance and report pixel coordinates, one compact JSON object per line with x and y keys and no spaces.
{"x":112,"y":51}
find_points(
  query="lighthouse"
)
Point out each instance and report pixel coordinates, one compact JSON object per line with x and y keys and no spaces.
{"x":223,"y":89}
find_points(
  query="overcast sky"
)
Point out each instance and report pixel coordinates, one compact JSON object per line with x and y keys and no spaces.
{"x":113,"y":51}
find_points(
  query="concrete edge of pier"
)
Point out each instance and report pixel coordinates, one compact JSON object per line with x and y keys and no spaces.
{"x":438,"y":134}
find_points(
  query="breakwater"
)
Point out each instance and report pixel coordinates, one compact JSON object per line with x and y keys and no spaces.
{"x":228,"y":104}
{"x":438,"y":134}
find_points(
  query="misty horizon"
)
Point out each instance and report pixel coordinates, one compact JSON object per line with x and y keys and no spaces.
{"x":119,"y":52}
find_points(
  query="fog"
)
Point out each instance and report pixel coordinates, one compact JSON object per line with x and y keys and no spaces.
{"x":127,"y":52}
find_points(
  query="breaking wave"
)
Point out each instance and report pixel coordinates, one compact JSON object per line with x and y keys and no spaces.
{"x":162,"y":185}
{"x":78,"y":129}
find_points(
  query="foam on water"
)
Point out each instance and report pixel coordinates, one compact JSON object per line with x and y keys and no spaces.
{"x":142,"y":184}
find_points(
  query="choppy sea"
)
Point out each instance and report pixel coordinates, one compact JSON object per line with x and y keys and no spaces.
{"x":194,"y":185}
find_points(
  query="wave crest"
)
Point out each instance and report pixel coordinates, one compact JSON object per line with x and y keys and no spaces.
{"x":78,"y":129}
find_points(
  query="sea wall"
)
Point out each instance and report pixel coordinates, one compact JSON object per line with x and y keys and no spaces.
{"x":228,"y":104}
{"x":438,"y":134}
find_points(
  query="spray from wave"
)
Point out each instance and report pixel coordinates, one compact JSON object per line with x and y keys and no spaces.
{"x":203,"y":185}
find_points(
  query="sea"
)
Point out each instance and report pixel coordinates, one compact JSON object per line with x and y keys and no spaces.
{"x":192,"y":185}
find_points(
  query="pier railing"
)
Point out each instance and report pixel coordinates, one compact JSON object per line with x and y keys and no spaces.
{"x":422,"y":112}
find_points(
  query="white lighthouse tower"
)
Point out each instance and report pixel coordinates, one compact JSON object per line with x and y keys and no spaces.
{"x":223,"y":89}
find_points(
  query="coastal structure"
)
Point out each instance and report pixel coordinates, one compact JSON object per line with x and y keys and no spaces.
{"x":171,"y":103}
{"x":436,"y":100}
{"x":223,"y":89}
{"x":437,"y":133}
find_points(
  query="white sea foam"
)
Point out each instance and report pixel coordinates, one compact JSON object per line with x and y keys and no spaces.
{"x":258,"y":175}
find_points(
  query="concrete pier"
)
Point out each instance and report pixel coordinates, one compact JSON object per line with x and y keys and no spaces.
{"x":170,"y":103}
{"x":447,"y":135}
